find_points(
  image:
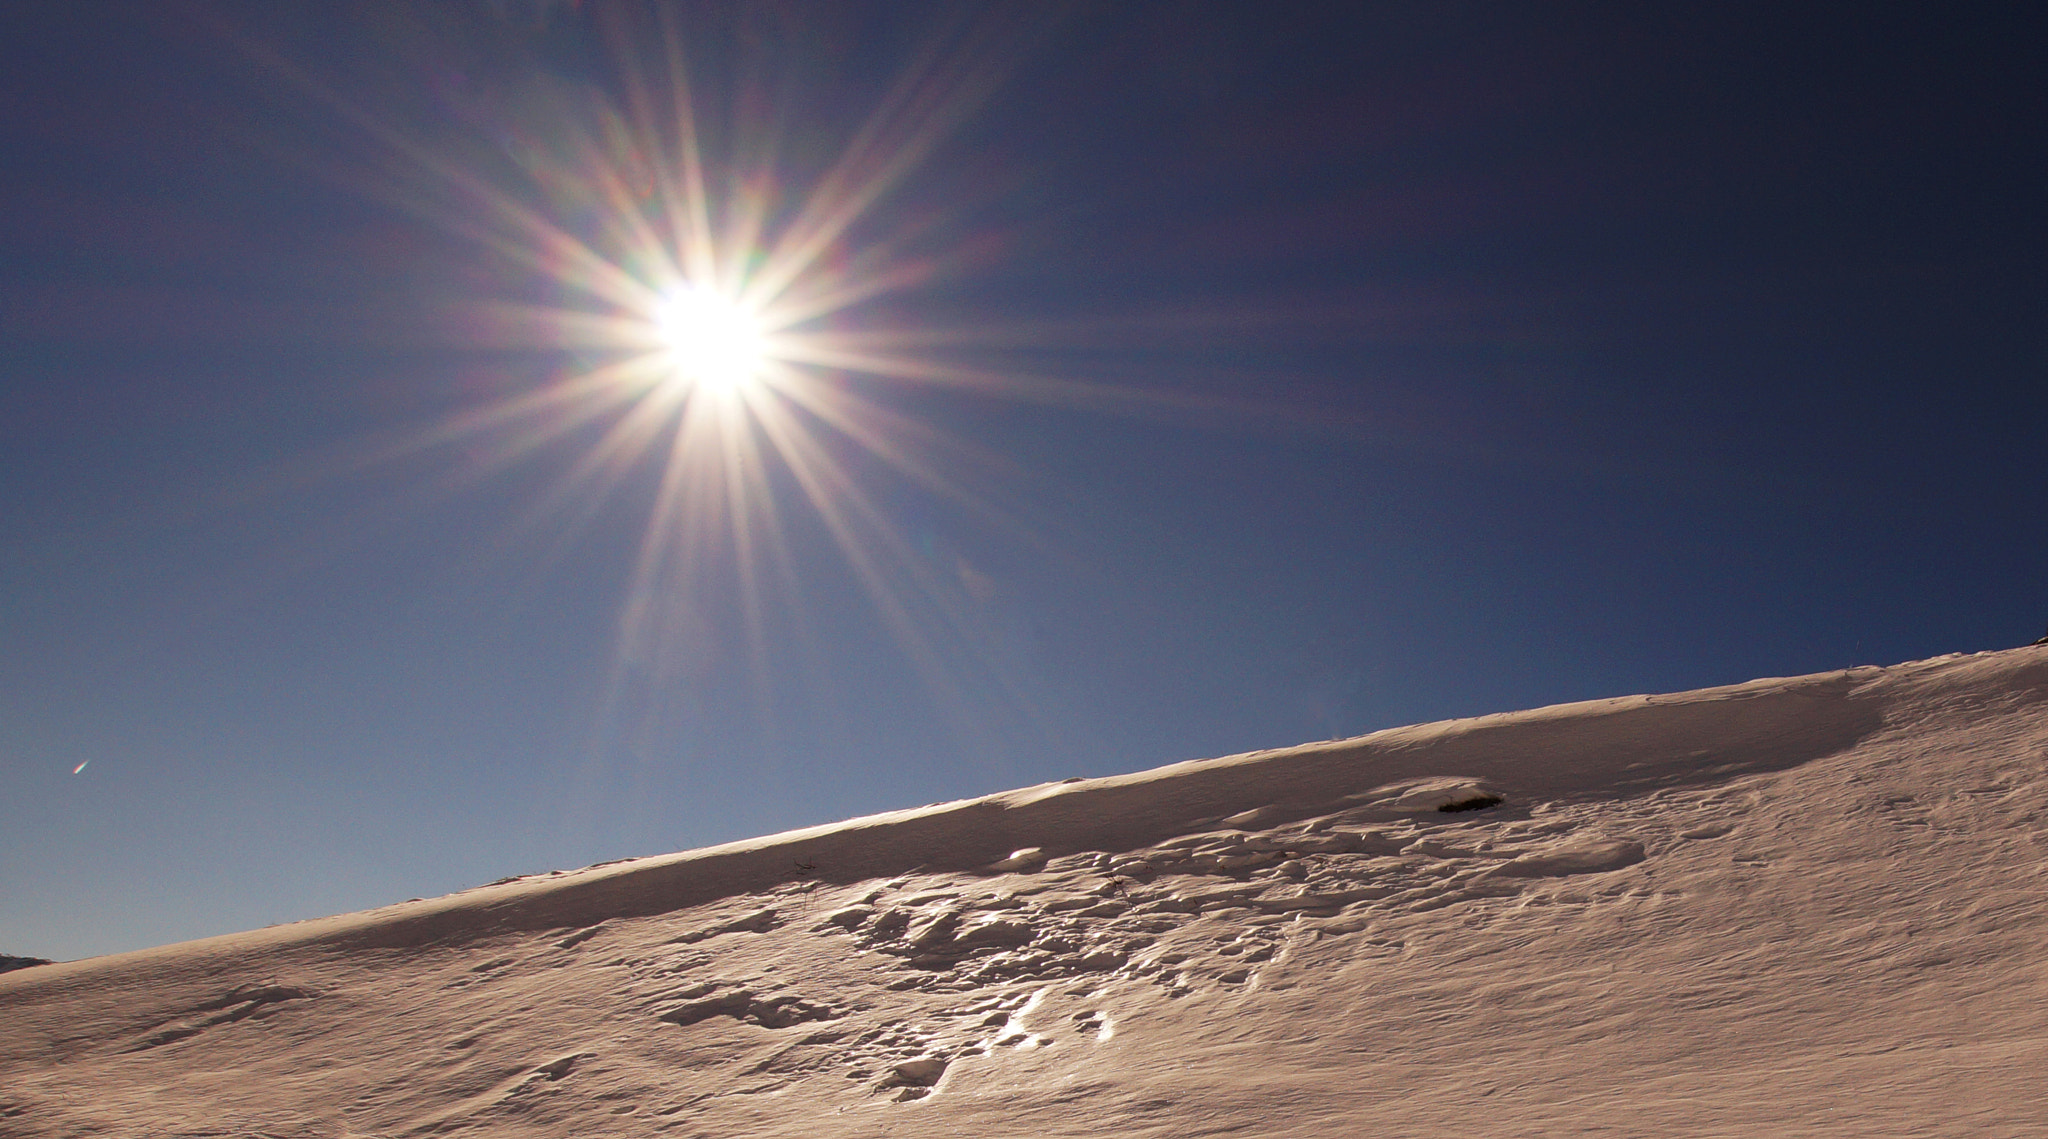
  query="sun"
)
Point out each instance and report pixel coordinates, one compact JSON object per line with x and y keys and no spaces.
{"x":703,"y":318}
{"x":712,"y":343}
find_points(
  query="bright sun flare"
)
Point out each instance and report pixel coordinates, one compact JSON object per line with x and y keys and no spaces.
{"x":701,"y":309}
{"x":714,"y":344}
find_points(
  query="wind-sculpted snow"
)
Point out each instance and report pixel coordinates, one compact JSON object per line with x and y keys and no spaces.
{"x":1801,"y":906}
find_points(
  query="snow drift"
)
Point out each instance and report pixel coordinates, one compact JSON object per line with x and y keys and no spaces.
{"x":1801,"y":906}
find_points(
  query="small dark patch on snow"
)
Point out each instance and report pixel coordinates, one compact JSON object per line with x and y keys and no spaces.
{"x":1476,"y":803}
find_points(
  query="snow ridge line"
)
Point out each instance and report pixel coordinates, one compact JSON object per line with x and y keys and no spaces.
{"x":1608,"y":748}
{"x":1613,"y":748}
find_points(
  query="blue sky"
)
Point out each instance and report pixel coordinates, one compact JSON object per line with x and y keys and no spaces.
{"x":1255,"y":376}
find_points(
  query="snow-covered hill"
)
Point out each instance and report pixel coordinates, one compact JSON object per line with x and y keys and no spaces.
{"x":1812,"y":906}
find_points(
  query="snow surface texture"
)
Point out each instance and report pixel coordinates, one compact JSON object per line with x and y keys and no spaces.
{"x":1790,"y":907}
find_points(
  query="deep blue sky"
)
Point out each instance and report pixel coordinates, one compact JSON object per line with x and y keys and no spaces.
{"x":1464,"y":358}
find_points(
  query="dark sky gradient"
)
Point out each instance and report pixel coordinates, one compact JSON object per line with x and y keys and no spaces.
{"x":1467,"y":357}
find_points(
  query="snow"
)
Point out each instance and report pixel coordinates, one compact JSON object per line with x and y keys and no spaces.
{"x":1806,"y":906}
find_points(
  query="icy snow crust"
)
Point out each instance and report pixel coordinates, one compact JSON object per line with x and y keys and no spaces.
{"x":1807,"y":906}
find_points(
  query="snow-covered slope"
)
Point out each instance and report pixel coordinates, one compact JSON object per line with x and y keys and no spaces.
{"x":1790,"y":907}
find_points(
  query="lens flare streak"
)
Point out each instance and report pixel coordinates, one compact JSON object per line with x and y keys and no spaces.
{"x":714,"y":330}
